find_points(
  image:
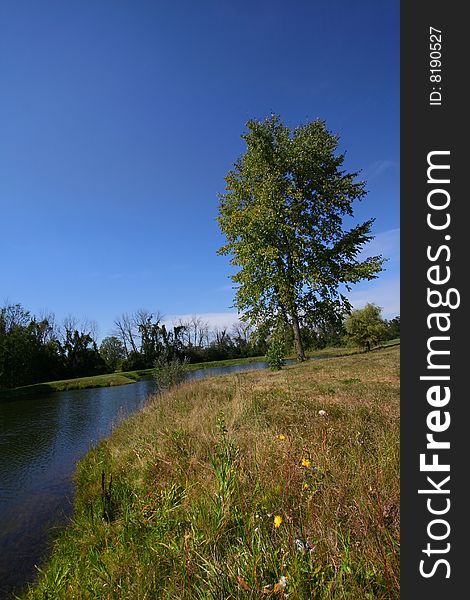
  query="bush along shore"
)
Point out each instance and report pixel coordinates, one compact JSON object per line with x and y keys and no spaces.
{"x":256,"y":485}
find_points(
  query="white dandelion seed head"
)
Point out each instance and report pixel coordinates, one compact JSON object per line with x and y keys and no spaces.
{"x":299,"y":545}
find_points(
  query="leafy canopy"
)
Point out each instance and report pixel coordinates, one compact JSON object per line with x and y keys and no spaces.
{"x":282,"y":216}
{"x":365,"y":326}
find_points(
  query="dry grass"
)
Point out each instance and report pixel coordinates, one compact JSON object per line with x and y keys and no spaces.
{"x":200,"y":473}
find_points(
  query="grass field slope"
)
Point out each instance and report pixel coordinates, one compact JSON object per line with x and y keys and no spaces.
{"x":255,"y":485}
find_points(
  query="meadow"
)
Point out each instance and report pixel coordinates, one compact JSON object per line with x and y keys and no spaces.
{"x":254,"y":485}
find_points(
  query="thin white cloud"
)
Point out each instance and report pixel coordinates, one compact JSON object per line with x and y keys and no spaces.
{"x":386,"y":243}
{"x":378,"y":168}
{"x":213,"y":319}
{"x":225,"y":288}
{"x":383,"y":293}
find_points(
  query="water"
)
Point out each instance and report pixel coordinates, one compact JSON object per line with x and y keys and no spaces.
{"x":200,"y":373}
{"x":41,"y":440}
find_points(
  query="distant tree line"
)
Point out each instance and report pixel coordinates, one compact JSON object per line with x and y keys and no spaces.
{"x":141,"y":338}
{"x":36,"y":349}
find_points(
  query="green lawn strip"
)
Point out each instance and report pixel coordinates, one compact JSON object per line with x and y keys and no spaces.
{"x":81,"y":383}
{"x":393,"y":342}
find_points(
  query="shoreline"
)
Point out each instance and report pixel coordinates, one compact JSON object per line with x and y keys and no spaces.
{"x":128,"y":377}
{"x":108,"y":379}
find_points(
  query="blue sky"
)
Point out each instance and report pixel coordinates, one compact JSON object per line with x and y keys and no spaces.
{"x":119,"y":121}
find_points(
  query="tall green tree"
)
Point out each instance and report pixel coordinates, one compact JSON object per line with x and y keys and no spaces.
{"x":282,"y":215}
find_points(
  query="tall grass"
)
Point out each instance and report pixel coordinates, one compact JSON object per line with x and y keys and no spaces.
{"x":255,"y":485}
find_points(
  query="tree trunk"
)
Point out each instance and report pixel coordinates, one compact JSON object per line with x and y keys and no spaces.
{"x":299,"y":347}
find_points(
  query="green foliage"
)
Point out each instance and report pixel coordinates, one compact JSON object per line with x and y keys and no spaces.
{"x":393,"y":328}
{"x":276,"y":352}
{"x":365,"y":327}
{"x":134,"y":362}
{"x":157,"y":341}
{"x":170,"y":372}
{"x":28,"y":350}
{"x":323,"y":336}
{"x":112,"y":352}
{"x":282,"y":217}
{"x":80,"y":355}
{"x":33,"y":351}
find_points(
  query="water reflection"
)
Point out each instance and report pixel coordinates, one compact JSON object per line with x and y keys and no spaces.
{"x":41,"y":439}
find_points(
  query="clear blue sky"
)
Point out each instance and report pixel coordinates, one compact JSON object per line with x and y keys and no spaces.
{"x":119,"y":120}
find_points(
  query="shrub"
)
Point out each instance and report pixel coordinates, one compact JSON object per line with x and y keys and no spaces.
{"x":276,"y":352}
{"x":168,"y":373}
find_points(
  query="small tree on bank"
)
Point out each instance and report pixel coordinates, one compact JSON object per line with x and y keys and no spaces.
{"x":365,"y":327}
{"x":112,"y":351}
{"x":170,"y":372}
{"x":282,"y":217}
{"x":276,"y":352}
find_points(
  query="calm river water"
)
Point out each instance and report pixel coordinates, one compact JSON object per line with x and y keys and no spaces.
{"x":41,"y":439}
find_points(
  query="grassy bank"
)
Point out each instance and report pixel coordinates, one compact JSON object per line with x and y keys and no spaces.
{"x":81,"y":383}
{"x":242,"y":487}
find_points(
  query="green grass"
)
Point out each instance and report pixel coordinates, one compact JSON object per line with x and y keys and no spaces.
{"x":180,"y":502}
{"x":393,"y":342}
{"x":226,"y":363}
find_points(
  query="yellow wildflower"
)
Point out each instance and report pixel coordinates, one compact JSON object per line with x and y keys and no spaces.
{"x":277,"y":521}
{"x":306,"y":462}
{"x":281,"y":436}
